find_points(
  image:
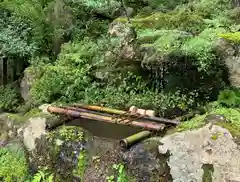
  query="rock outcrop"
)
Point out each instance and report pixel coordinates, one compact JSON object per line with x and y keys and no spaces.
{"x":205,"y":154}
{"x":230,"y":54}
{"x":26,"y":84}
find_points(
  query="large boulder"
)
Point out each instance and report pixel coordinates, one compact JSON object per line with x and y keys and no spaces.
{"x":62,"y":151}
{"x":144,"y":162}
{"x":205,"y":154}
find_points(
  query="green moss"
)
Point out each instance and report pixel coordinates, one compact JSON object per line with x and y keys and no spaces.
{"x":233,"y":37}
{"x":17,"y":118}
{"x":232,"y":128}
{"x":194,"y":123}
{"x":22,"y":118}
{"x":231,"y":114}
{"x":33,"y":113}
{"x":182,"y":20}
{"x":81,"y":165}
{"x":64,"y":134}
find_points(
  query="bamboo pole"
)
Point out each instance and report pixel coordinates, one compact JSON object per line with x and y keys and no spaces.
{"x":100,"y":108}
{"x":120,"y":112}
{"x":143,"y":124}
{"x":83,"y":110}
{"x":127,"y":142}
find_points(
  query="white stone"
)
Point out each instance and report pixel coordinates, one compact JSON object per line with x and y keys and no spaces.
{"x":191,"y":149}
{"x":34,"y":130}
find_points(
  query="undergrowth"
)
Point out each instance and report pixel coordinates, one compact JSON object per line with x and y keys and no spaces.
{"x":120,"y":174}
{"x":10,"y":97}
{"x":227,"y":105}
{"x":13,"y":165}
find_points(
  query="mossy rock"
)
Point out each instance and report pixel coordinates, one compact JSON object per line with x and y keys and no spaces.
{"x":215,"y":118}
{"x":63,"y":151}
{"x":228,"y":118}
{"x":145,"y":163}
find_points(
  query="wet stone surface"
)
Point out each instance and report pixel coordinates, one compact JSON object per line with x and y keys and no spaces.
{"x":145,"y":163}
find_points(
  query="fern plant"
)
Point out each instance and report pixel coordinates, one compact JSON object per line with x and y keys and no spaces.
{"x":229,"y":98}
{"x":43,"y":176}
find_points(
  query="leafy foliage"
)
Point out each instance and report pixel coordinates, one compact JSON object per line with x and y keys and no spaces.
{"x":13,"y":165}
{"x":70,"y":75}
{"x":121,"y":176}
{"x":42,"y":176}
{"x":14,"y":37}
{"x":81,"y":165}
{"x":31,"y":12}
{"x":229,"y":98}
{"x":177,"y":65}
{"x":9,"y":97}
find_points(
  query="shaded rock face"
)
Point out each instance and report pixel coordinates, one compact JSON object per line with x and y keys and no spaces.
{"x":142,"y":161}
{"x":102,"y":154}
{"x":230,"y":54}
{"x":60,"y":150}
{"x":8,"y":128}
{"x":206,"y":154}
{"x":145,"y":163}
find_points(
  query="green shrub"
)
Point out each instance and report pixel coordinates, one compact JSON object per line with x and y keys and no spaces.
{"x":229,"y":98}
{"x":13,"y":166}
{"x":70,"y":75}
{"x":165,"y":104}
{"x":9,"y":97}
{"x":201,"y":47}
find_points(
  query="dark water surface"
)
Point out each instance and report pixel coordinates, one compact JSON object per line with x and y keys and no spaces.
{"x":105,"y":130}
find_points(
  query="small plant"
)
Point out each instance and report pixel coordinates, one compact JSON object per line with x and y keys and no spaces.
{"x":110,"y":178}
{"x":81,"y":165}
{"x":43,"y":176}
{"x":13,"y":165}
{"x":9,"y":97}
{"x":71,"y":133}
{"x":120,"y":172}
{"x":229,"y":98}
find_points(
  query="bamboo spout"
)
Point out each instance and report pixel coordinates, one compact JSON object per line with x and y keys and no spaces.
{"x":77,"y":114}
{"x":127,"y":142}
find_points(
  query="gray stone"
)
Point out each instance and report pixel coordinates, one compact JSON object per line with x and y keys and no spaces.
{"x":35,"y":130}
{"x":224,"y":48}
{"x":215,"y":118}
{"x":26,"y":84}
{"x":233,"y":64}
{"x":191,"y":150}
{"x":118,"y":29}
